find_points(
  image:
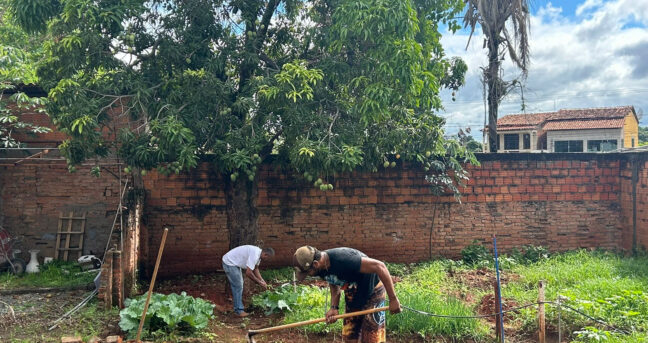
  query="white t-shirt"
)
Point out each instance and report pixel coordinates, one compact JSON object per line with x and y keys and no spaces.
{"x":245,"y":256}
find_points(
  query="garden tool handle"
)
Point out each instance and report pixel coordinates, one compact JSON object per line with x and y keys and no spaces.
{"x":318,"y":320}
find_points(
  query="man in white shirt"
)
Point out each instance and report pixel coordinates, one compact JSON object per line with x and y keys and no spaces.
{"x":245,"y":257}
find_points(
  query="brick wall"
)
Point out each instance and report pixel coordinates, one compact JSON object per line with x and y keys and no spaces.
{"x":642,"y":206}
{"x":32,"y":196}
{"x":563,"y":201}
{"x":634,"y":222}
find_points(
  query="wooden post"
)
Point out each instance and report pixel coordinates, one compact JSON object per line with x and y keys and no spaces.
{"x":148,"y":297}
{"x":498,"y":318}
{"x":541,"y":311}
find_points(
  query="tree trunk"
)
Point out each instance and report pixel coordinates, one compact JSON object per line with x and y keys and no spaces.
{"x":494,"y":91}
{"x":242,"y":214}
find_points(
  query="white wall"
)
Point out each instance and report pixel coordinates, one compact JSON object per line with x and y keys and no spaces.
{"x":584,"y":135}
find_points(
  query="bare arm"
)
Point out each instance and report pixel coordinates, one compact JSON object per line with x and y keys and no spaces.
{"x":335,"y":303}
{"x":370,"y":265}
{"x":256,"y":276}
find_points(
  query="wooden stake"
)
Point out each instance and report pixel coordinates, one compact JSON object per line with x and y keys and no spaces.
{"x":150,"y":291}
{"x":541,"y":311}
{"x":498,"y":317}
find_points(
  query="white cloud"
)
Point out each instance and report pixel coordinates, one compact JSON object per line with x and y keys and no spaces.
{"x":587,"y":5}
{"x":596,"y":59}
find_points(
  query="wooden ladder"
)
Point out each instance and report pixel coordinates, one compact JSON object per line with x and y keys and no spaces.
{"x":67,"y":235}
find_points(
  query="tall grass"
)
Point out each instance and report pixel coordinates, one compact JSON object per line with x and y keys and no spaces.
{"x":602,"y":284}
{"x":53,"y":274}
{"x":422,"y":290}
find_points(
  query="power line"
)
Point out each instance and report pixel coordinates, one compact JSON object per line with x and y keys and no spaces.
{"x":576,"y":94}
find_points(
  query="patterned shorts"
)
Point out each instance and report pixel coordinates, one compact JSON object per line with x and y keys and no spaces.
{"x":369,"y":328}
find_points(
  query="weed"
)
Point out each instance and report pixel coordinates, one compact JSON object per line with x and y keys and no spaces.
{"x":281,"y":275}
{"x":475,"y":253}
{"x":601,"y":284}
{"x":53,"y":274}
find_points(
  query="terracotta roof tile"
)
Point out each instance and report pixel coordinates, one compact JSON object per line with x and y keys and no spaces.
{"x":523,"y":119}
{"x":614,"y":123}
{"x":592,"y":113}
{"x":567,"y":119}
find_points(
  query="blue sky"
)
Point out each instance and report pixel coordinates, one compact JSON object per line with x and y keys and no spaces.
{"x":585,"y":53}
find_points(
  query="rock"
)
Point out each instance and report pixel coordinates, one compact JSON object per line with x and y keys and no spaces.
{"x":114,"y":339}
{"x":94,"y":340}
{"x":71,"y":339}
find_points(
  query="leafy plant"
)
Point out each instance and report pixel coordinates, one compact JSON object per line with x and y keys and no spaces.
{"x":528,"y":254}
{"x":592,"y":334}
{"x":166,"y":315}
{"x":277,"y":300}
{"x":313,"y":302}
{"x":280,"y":275}
{"x":475,"y":253}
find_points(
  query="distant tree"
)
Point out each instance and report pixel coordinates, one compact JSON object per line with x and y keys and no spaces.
{"x":493,"y":17}
{"x":468,"y":141}
{"x":18,"y":54}
{"x":323,"y":86}
{"x":643,"y":135}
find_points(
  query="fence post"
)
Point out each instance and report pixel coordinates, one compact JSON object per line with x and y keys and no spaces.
{"x":498,"y":292}
{"x":498,"y":316}
{"x":541,"y":311}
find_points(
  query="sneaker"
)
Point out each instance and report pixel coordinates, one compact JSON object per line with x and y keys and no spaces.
{"x":242,"y":314}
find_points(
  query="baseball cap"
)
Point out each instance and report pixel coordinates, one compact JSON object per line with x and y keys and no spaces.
{"x":303,"y":261}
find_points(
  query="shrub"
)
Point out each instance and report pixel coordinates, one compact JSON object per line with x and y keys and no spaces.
{"x":171,"y":314}
{"x":475,"y":253}
{"x":529,"y":254}
{"x":399,"y":269}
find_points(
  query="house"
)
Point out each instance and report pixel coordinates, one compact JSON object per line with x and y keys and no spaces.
{"x":569,"y":130}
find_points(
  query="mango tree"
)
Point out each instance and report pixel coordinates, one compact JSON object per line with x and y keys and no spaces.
{"x":318,"y":87}
{"x":18,"y":54}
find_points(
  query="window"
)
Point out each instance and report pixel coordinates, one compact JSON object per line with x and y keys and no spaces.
{"x":601,"y":145}
{"x":511,"y":141}
{"x":568,"y":146}
{"x":526,"y":139}
{"x":633,"y":142}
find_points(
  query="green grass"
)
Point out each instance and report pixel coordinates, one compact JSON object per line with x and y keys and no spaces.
{"x":53,"y":274}
{"x":423,"y":290}
{"x":602,"y":284}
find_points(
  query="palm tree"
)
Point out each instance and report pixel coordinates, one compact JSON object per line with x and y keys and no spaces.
{"x":493,"y":17}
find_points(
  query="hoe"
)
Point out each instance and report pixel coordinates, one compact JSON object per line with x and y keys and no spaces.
{"x":252,"y":333}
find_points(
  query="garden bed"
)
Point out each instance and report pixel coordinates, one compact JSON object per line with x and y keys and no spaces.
{"x":603,"y":285}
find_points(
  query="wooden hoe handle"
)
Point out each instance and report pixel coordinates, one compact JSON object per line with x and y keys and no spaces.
{"x":318,"y":320}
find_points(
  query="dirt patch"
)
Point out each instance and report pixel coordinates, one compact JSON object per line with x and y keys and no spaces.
{"x":228,"y":328}
{"x":487,"y":306}
{"x":33,"y":314}
{"x":482,"y":278}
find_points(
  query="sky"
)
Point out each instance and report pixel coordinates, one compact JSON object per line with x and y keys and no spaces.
{"x":584,"y":53}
